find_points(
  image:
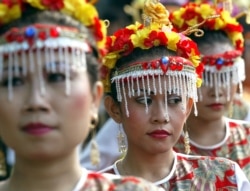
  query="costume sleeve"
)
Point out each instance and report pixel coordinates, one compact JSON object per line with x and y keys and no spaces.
{"x":107,"y":144}
{"x":242,"y":182}
{"x":247,"y":118}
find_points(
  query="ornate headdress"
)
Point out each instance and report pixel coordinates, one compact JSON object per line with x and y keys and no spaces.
{"x":135,"y":8}
{"x":183,"y":70}
{"x":33,"y":39}
{"x":221,"y":69}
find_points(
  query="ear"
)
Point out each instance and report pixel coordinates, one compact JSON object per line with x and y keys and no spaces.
{"x":189,"y":107}
{"x":97,"y":96}
{"x":113,"y":109}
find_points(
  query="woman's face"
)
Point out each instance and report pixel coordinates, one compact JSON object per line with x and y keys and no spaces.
{"x":46,"y":125}
{"x":214,"y":102}
{"x":150,"y":132}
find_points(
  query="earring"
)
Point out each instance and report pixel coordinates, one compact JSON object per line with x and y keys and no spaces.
{"x":121,"y":141}
{"x":186,"y":141}
{"x":3,"y":170}
{"x":230,"y":110}
{"x":94,"y":151}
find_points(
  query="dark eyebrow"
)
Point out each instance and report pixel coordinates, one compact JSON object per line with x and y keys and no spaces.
{"x":20,"y":68}
{"x":142,"y":91}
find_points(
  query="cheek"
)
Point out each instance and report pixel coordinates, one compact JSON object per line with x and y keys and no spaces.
{"x":177,"y":117}
{"x":8,"y":112}
{"x":80,"y":104}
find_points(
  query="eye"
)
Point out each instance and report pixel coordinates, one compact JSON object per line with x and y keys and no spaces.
{"x":56,"y":77}
{"x":16,"y":81}
{"x":143,"y":100}
{"x":174,"y":100}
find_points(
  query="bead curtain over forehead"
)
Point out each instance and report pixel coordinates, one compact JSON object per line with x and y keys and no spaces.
{"x":170,"y":75}
{"x":18,"y":47}
{"x":223,"y":70}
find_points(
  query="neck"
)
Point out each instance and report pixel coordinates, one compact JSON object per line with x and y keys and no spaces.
{"x":57,"y":175}
{"x":152,"y":167}
{"x":206,"y":132}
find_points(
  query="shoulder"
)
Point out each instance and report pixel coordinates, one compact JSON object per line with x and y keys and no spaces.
{"x":236,"y":124}
{"x":240,"y":108}
{"x":206,"y":162}
{"x":119,"y":183}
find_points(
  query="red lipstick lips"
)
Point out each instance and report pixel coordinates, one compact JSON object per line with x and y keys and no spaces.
{"x":216,"y":106}
{"x":37,"y":129}
{"x":159,"y":134}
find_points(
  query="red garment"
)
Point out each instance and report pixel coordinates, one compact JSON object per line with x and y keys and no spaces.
{"x":235,"y":146}
{"x":200,"y":173}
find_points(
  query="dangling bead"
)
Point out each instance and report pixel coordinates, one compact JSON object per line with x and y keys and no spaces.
{"x":186,"y":142}
{"x":10,"y":77}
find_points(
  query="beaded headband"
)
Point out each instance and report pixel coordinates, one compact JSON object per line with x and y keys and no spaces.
{"x":223,"y":69}
{"x":183,"y":70}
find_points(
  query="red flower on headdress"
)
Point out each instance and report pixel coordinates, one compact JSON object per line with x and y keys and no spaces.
{"x":155,"y":38}
{"x":53,"y":4}
{"x":97,"y":29}
{"x":10,"y":3}
{"x":200,"y":69}
{"x":209,"y":24}
{"x":233,"y":28}
{"x":239,"y":45}
{"x":184,"y":48}
{"x":189,"y":14}
{"x":123,"y":41}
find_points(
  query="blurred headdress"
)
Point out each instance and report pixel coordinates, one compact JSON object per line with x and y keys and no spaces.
{"x":182,"y":71}
{"x":222,"y":69}
{"x":41,"y":37}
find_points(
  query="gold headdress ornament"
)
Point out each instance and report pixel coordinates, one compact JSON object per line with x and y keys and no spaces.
{"x":27,"y":42}
{"x":228,"y":66}
{"x":156,"y":31}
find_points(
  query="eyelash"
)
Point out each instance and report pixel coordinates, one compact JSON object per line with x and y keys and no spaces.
{"x":172,"y":100}
{"x":19,"y":81}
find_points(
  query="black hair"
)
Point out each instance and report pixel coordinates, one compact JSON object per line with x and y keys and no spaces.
{"x":139,"y":54}
{"x":243,"y":22}
{"x":210,"y":38}
{"x":32,"y":15}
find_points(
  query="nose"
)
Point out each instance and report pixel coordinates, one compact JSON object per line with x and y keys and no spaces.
{"x":36,"y":101}
{"x":217,"y":92}
{"x":159,"y":113}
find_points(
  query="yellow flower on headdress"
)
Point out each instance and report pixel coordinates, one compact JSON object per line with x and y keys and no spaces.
{"x":110,"y":59}
{"x":195,"y":60}
{"x":9,"y":13}
{"x":36,"y":3}
{"x":70,"y":7}
{"x":175,"y":38}
{"x":178,"y":16}
{"x":139,"y":37}
{"x":205,"y":11}
{"x":193,"y":13}
{"x":87,"y":9}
